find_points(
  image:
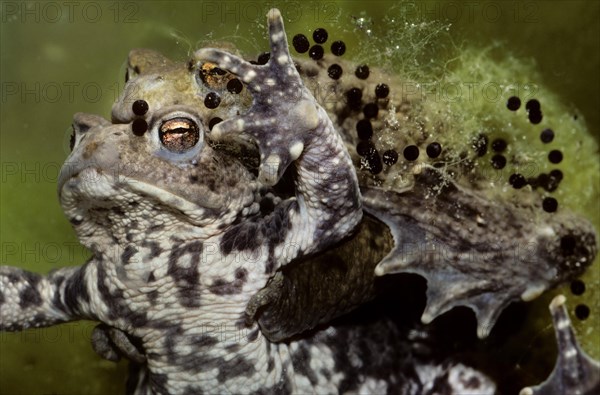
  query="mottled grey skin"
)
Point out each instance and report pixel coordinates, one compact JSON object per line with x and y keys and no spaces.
{"x":184,"y":243}
{"x":575,"y":373}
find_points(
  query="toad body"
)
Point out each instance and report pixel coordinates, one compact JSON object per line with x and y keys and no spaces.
{"x":180,"y":199}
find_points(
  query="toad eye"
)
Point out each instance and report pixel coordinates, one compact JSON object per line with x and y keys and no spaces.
{"x":179,"y":134}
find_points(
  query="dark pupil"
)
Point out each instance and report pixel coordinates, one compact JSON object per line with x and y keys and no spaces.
{"x":179,"y":135}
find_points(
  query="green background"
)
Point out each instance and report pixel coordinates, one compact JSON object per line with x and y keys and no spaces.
{"x":57,"y":60}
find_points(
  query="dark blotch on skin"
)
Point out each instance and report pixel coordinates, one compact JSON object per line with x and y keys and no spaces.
{"x":29,"y":296}
{"x":250,"y":235}
{"x":127,"y":254}
{"x":236,"y":366}
{"x":115,"y":301}
{"x":202,"y":341}
{"x":56,"y":299}
{"x":243,"y":236}
{"x":222,"y":287}
{"x":186,"y":278}
{"x":155,"y":249}
{"x":76,"y":290}
{"x":302,"y":360}
{"x":252,"y":335}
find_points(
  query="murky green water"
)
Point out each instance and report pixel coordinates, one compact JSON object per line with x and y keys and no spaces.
{"x":58,"y":58}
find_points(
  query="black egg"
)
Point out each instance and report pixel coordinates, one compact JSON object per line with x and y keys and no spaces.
{"x":338,"y":48}
{"x":362,"y":72}
{"x":364,"y":129}
{"x":517,"y":180}
{"x":234,"y":86}
{"x":547,"y":135}
{"x":434,"y":150}
{"x":499,"y":145}
{"x":140,"y":107}
{"x":316,"y":52}
{"x":513,"y":103}
{"x":582,"y":311}
{"x":532,"y":105}
{"x":334,"y":71}
{"x":300,"y":43}
{"x":139,"y":126}
{"x":212,"y":100}
{"x":370,"y":110}
{"x":549,"y":204}
{"x":555,"y":156}
{"x":498,"y":161}
{"x":320,"y":35}
{"x":411,"y":152}
{"x":382,"y":91}
{"x":577,"y":287}
{"x":263,"y":58}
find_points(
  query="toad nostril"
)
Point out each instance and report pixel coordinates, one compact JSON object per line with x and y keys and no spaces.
{"x":72,"y":138}
{"x":568,"y":244}
{"x":79,"y":127}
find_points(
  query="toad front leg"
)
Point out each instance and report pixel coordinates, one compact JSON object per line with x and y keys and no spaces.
{"x":32,"y":300}
{"x":290,"y":126}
